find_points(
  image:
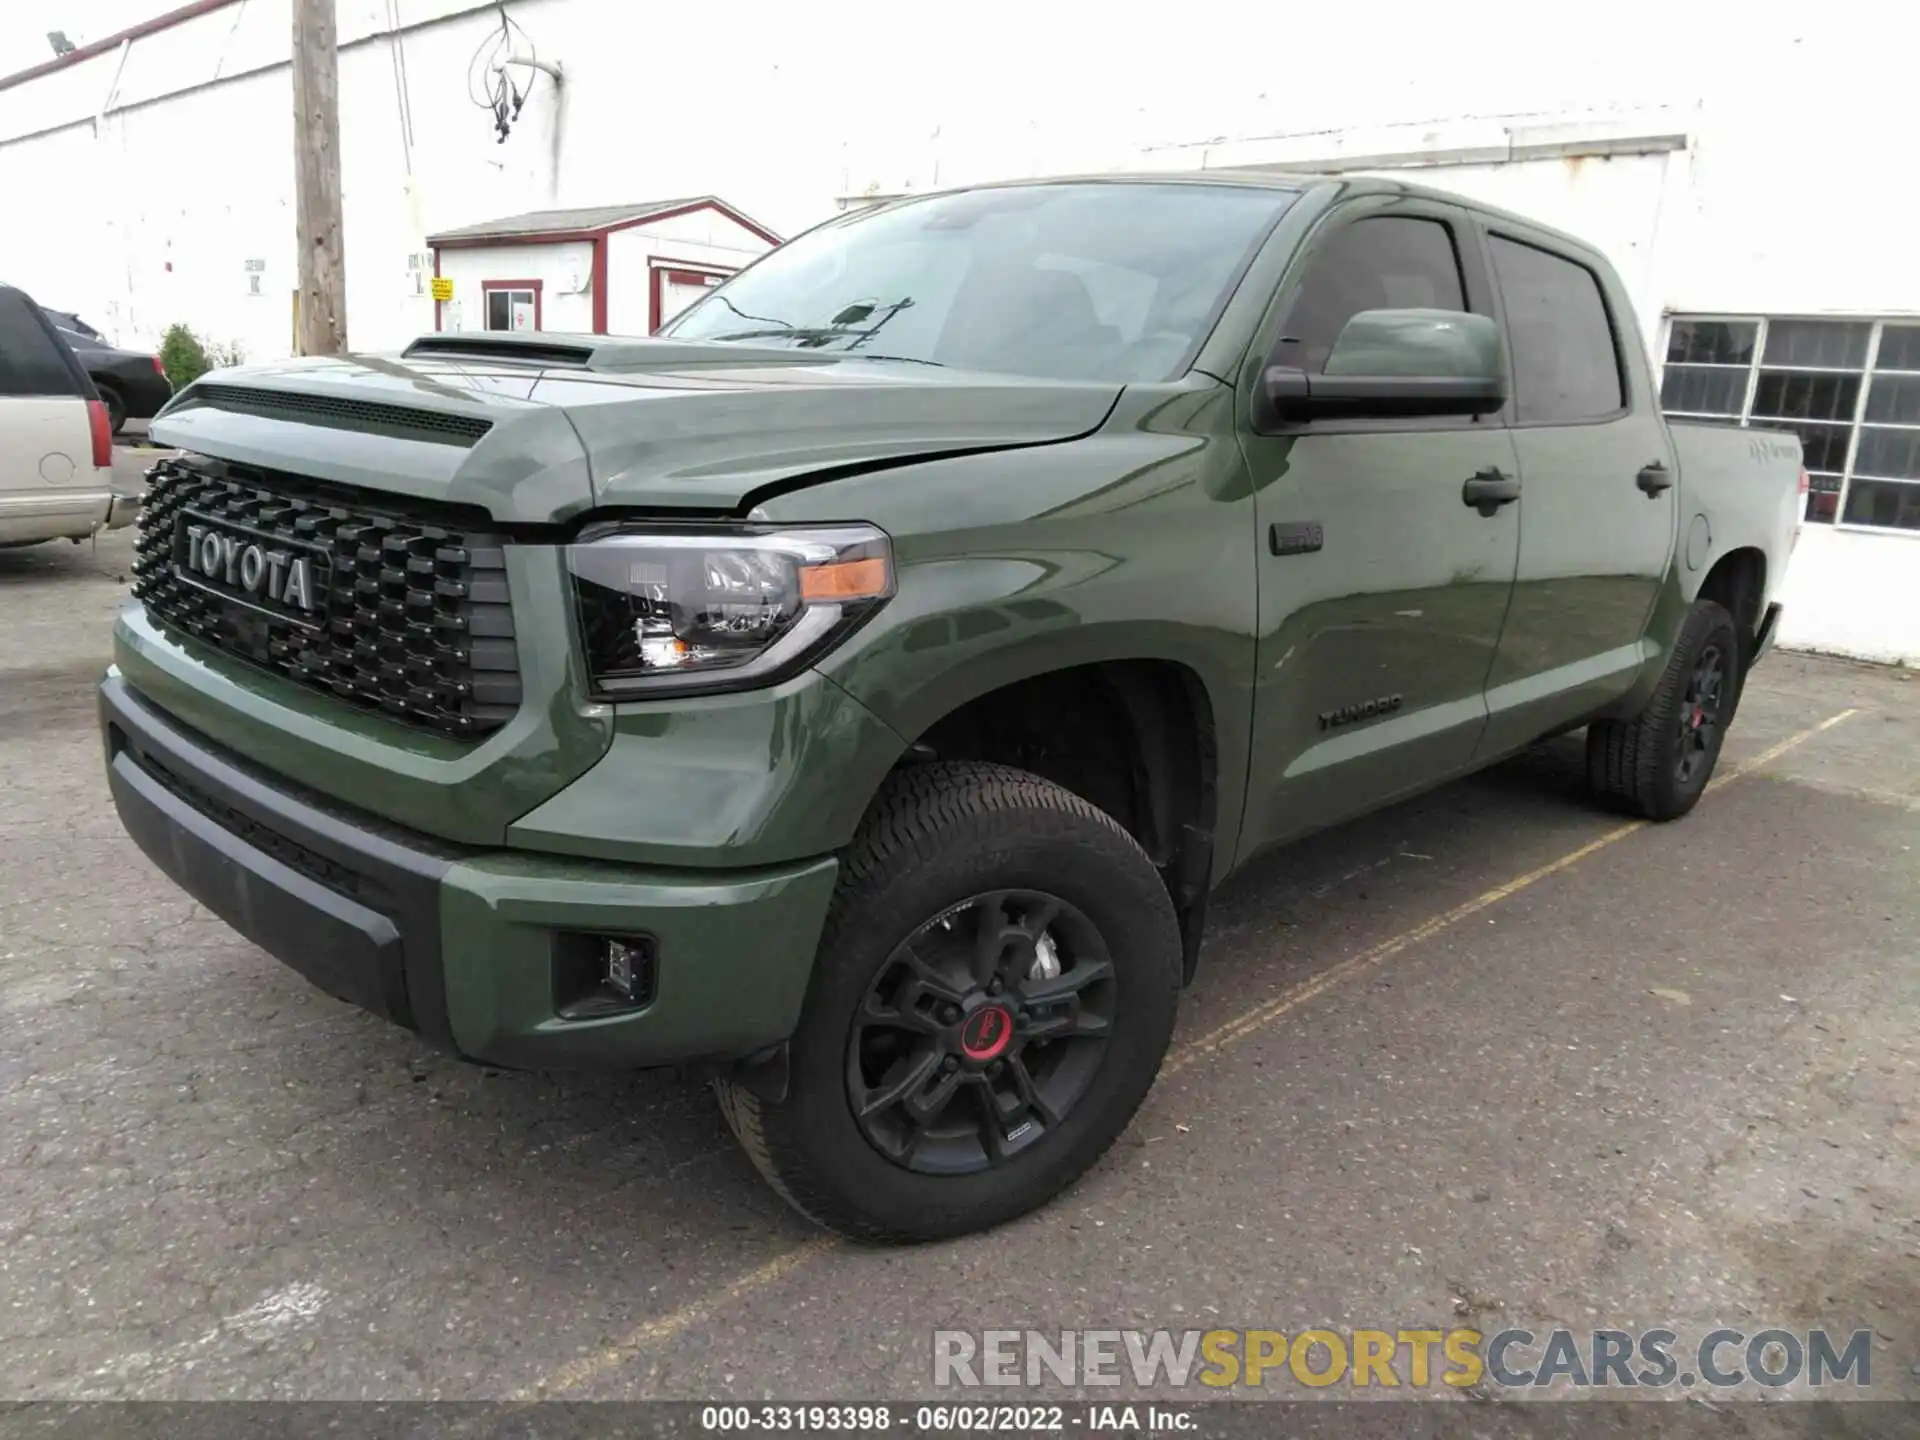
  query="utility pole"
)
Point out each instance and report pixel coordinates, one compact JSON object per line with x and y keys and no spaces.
{"x":321,"y":316}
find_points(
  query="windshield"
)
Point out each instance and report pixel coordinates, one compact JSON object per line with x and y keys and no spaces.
{"x":1093,"y":281}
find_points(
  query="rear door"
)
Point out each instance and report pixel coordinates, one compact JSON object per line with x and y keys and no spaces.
{"x":46,"y":440}
{"x":1381,"y":590}
{"x":1598,"y":492}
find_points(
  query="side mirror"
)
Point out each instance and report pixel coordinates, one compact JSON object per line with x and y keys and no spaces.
{"x":1390,"y":364}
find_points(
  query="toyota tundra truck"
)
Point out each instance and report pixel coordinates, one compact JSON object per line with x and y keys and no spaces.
{"x":852,"y":694}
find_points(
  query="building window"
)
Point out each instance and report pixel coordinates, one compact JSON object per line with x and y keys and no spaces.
{"x":1850,"y":389}
{"x":511,"y":306}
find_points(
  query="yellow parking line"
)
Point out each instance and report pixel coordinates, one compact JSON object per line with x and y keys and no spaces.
{"x":666,"y":1327}
{"x":569,"y":1377}
{"x":1265,"y":1014}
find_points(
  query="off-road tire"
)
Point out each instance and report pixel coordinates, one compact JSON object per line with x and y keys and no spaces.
{"x":1633,"y":763}
{"x":937,"y":834}
{"x":116,"y":408}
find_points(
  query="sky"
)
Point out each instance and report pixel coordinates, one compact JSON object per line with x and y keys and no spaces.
{"x":24,"y":25}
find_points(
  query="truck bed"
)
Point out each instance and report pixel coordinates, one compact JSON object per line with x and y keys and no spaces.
{"x":1743,"y":485}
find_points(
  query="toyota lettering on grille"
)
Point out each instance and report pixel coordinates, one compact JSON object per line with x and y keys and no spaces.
{"x":265,"y":572}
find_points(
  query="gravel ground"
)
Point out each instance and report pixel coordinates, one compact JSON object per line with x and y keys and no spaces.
{"x":1488,"y":1058}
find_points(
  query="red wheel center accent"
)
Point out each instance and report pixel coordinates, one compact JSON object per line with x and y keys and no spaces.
{"x":987,"y":1032}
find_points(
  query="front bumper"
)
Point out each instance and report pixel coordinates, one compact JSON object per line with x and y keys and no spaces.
{"x":37,"y":515}
{"x":470,"y":948}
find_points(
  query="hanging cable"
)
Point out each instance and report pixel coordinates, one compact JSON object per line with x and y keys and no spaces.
{"x":489,"y":86}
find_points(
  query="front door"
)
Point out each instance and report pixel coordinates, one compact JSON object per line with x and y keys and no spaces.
{"x":1598,"y":503}
{"x":1381,"y":589}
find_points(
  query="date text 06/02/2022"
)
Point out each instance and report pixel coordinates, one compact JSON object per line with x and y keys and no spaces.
{"x":947,"y":1419}
{"x":877,"y":1419}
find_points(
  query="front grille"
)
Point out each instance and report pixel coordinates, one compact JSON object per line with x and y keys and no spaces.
{"x":398,"y":608}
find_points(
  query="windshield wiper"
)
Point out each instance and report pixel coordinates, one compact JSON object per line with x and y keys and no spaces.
{"x":845,"y":326}
{"x":904,"y":359}
{"x":823,"y":336}
{"x":820,"y":334}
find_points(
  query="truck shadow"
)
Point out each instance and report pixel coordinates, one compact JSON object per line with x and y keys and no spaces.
{"x":61,"y":562}
{"x":567,"y":1164}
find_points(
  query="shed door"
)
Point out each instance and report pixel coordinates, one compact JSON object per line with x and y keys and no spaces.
{"x":677,"y":289}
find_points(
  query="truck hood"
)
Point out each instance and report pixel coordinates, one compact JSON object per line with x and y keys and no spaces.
{"x":643,"y":425}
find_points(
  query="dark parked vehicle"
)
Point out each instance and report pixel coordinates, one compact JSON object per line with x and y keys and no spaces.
{"x":67,"y":320}
{"x":133,"y":384}
{"x":857,"y":690}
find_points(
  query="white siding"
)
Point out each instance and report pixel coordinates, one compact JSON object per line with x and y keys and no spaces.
{"x":171,"y":163}
{"x":1854,"y":593}
{"x":703,"y":239}
{"x":564,"y":271}
{"x":1783,"y":203}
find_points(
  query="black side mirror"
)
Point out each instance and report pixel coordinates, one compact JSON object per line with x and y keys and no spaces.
{"x":1394,"y":364}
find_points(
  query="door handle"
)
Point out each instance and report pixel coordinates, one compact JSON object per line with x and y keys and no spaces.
{"x":1489,"y":490}
{"x":1655,"y":478}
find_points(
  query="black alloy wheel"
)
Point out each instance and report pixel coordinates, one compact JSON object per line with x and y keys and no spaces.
{"x":981,"y":1032}
{"x":1656,"y":763}
{"x":993,"y":992}
{"x":1698,"y":737}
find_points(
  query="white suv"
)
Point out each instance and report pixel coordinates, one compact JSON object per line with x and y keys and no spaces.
{"x":56,"y":445}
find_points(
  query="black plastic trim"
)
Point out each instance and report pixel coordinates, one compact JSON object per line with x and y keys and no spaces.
{"x":433,"y":426}
{"x":349,"y":901}
{"x":548,"y":352}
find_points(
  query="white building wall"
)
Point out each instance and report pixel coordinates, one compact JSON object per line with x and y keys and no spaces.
{"x":704,"y":238}
{"x":817,"y":101}
{"x":564,"y":270}
{"x":170,"y":164}
{"x":1854,"y":593}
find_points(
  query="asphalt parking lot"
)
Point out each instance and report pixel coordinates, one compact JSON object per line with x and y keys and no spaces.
{"x":1488,"y":1055}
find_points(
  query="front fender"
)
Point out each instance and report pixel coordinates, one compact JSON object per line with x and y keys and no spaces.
{"x":1136,"y":543}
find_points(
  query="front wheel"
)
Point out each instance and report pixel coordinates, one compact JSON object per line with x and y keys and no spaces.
{"x":1657,"y":763}
{"x":993,"y":994}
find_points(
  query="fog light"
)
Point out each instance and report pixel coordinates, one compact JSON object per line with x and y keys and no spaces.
{"x":599,"y":974}
{"x":623,"y":962}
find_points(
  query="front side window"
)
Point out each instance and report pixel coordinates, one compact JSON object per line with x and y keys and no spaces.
{"x":1566,"y":366}
{"x":1094,"y":281}
{"x":1384,"y":262}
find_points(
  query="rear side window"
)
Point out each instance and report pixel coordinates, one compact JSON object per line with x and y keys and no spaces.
{"x":1386,"y":262}
{"x":1566,"y":367}
{"x":31,"y":361}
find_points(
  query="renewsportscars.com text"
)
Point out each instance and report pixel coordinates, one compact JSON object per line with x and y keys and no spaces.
{"x":1720,"y":1359}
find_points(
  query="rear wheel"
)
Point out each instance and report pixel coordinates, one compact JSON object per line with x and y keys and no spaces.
{"x":116,"y":407}
{"x":993,"y":995}
{"x":1657,"y":764}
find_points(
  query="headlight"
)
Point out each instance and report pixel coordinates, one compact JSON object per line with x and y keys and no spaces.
{"x":666,"y":608}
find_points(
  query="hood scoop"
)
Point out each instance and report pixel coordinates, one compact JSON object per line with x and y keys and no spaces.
{"x":610,"y":354}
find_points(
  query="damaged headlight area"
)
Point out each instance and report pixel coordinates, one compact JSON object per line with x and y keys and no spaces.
{"x":665,"y":608}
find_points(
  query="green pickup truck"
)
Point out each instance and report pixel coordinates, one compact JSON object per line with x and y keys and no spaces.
{"x":853,"y":693}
